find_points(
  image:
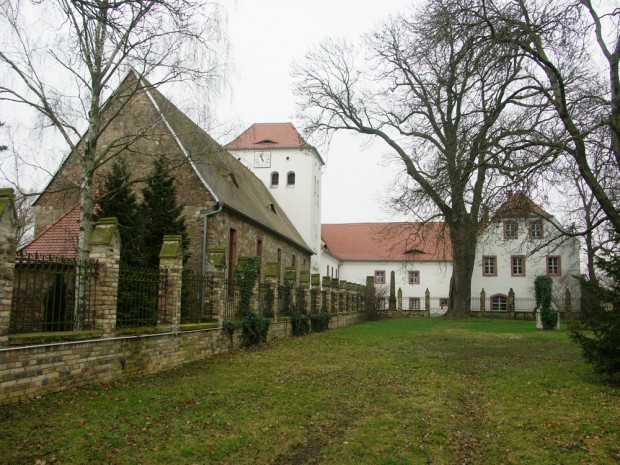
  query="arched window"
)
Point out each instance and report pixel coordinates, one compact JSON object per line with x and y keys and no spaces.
{"x":499,"y":303}
{"x":290,"y":178}
{"x":275,"y":179}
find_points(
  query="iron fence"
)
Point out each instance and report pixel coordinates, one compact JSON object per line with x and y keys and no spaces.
{"x":141,"y":297}
{"x":231,"y":297}
{"x":45,"y":296}
{"x":197,"y":305}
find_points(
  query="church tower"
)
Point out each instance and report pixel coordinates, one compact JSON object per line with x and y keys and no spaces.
{"x":291,"y":169}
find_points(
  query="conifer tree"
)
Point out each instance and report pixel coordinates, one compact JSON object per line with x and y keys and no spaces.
{"x":160,"y":212}
{"x":120,"y":201}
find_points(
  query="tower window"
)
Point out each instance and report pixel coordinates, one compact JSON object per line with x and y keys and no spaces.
{"x":275,"y":179}
{"x":290,"y":178}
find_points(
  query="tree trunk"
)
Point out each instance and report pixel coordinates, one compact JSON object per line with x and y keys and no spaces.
{"x":464,"y":238}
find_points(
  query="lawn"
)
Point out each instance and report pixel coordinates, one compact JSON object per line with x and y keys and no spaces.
{"x":414,"y":391}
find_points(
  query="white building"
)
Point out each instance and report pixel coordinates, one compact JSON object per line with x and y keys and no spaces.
{"x":418,"y":254}
{"x":522,"y":241}
{"x":291,"y":169}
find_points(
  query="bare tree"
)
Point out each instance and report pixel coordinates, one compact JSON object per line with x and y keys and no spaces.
{"x":576,"y":50}
{"x":96,"y":42}
{"x":456,"y":111}
{"x":64,"y":57}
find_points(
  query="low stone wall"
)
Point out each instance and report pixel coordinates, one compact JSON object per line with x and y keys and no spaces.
{"x":404,"y":313}
{"x":36,"y":370}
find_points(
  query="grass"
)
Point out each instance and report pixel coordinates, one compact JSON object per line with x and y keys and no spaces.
{"x":413,"y":391}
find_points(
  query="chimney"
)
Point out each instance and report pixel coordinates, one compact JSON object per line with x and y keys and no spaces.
{"x":485,"y":215}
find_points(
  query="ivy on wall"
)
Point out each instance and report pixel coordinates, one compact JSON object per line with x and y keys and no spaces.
{"x":543,"y":288}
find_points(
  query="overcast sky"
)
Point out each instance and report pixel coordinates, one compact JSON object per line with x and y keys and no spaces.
{"x":266,"y":38}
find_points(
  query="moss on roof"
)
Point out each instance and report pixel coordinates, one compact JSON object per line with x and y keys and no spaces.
{"x":242,"y":192}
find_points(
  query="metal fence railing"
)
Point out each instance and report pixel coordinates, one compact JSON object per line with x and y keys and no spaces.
{"x":231,"y":296}
{"x":46,"y":294}
{"x":141,"y":295}
{"x":197,"y":304}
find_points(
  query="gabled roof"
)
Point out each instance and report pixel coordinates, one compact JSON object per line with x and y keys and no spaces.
{"x":271,"y":136}
{"x":60,"y":239}
{"x":420,"y":242}
{"x":519,"y":205}
{"x":231,"y":183}
{"x":224,"y":176}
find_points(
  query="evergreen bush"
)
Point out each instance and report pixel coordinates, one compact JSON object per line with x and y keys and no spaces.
{"x":543,"y":288}
{"x":320,"y":321}
{"x":300,"y":323}
{"x":600,"y":337}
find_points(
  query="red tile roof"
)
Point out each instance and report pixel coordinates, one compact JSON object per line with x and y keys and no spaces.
{"x":269,"y":136}
{"x":520,"y":205}
{"x":388,"y":241}
{"x":60,"y":239}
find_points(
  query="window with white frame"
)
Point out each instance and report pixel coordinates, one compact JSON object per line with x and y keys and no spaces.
{"x":511,"y":230}
{"x":517,"y":265}
{"x":499,"y":303}
{"x":554,"y":266}
{"x":379,"y":277}
{"x":489,"y":266}
{"x":275,"y":179}
{"x":414,"y":277}
{"x":414,"y":303}
{"x":536,"y":229}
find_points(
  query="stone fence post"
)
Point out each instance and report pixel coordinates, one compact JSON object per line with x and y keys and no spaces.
{"x":483,"y":301}
{"x":335,"y":295}
{"x":304,"y":284}
{"x":105,"y":248}
{"x":171,"y":261}
{"x":511,"y":303}
{"x":427,"y":302}
{"x":217,"y":259}
{"x":271,"y":281}
{"x":326,"y":294}
{"x":8,"y":243}
{"x":315,"y":299}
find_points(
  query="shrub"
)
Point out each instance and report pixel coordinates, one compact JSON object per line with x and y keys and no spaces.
{"x":543,"y":288}
{"x":600,"y":344}
{"x":300,"y":324}
{"x":320,"y":321}
{"x":254,"y":329}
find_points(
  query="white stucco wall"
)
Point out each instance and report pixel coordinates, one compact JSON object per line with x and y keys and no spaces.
{"x":301,"y":202}
{"x":433,"y":275}
{"x":330,"y":266}
{"x":536,"y":251}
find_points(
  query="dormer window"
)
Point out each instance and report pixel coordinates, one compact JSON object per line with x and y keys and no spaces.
{"x":290,"y":179}
{"x":275,"y":179}
{"x":266,"y":141}
{"x":231,"y":179}
{"x":510,"y":230}
{"x":536,"y":229}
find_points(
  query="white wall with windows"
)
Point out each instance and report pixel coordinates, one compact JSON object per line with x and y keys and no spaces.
{"x":511,"y":253}
{"x":413,"y":278}
{"x":293,"y":177}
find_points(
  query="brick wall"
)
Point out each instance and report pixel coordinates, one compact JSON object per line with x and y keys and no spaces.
{"x":62,"y":194}
{"x":33,"y":371}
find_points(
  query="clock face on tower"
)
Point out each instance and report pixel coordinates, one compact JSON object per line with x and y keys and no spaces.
{"x":262,"y":160}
